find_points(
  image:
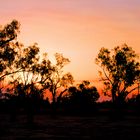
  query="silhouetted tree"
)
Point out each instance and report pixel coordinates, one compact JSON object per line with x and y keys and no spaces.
{"x":27,"y":79}
{"x":17,"y":62}
{"x":26,"y":59}
{"x":121,"y":70}
{"x":53,"y":77}
{"x":82,"y":96}
{"x":25,"y":76}
{"x":88,"y":93}
{"x":8,"y":49}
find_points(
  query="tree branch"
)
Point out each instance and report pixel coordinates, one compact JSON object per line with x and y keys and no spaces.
{"x":133,"y":89}
{"x":62,"y":92}
{"x":6,"y":41}
{"x":10,"y":73}
{"x":107,"y":76}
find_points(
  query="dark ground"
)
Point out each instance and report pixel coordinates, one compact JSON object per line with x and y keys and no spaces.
{"x":94,"y":127}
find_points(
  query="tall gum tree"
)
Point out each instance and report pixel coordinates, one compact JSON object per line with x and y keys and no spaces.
{"x":120,"y":71}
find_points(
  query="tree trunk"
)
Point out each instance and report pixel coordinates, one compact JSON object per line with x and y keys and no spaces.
{"x":54,"y":104}
{"x":113,"y":92}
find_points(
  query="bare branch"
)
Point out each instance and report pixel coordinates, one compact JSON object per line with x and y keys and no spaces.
{"x":62,"y":92}
{"x":133,"y":89}
{"x":10,"y":73}
{"x":107,"y":77}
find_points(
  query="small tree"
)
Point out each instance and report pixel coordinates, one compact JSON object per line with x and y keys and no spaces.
{"x":121,"y":70}
{"x":84,"y":95}
{"x":53,"y":77}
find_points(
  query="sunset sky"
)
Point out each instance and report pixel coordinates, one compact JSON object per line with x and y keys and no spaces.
{"x":76,"y":28}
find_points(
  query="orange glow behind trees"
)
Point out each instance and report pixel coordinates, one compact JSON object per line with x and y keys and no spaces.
{"x":78,"y":29}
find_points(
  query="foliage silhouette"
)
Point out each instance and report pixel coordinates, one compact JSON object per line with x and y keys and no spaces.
{"x":53,"y":77}
{"x":121,"y":70}
{"x":81,"y":98}
{"x":30,"y":75}
{"x":8,"y":50}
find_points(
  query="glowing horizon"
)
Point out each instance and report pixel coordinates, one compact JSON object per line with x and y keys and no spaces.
{"x":76,"y":28}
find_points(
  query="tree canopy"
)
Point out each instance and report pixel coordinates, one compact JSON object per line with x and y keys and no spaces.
{"x":120,"y":71}
{"x":30,"y":72}
{"x":26,"y":68}
{"x":83,"y":94}
{"x":8,"y":46}
{"x":53,"y":76}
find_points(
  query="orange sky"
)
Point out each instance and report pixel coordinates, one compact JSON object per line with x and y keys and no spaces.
{"x":76,"y":28}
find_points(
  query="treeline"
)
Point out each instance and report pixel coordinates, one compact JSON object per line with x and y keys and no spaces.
{"x":29,"y":75}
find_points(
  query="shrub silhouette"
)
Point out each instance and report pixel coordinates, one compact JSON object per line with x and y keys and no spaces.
{"x":81,"y":98}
